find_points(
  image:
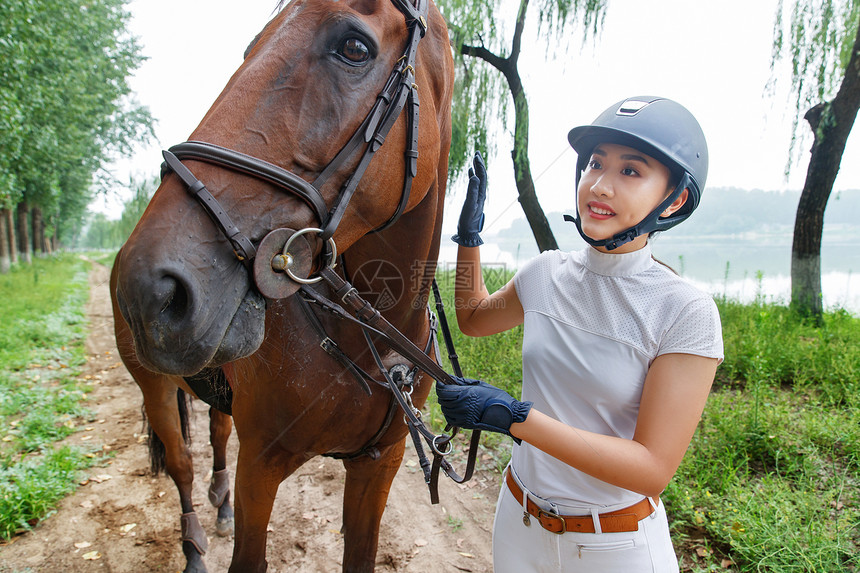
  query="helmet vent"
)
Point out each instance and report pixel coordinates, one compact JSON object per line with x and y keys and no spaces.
{"x":631,"y":107}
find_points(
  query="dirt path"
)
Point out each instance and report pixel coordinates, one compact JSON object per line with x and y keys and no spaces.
{"x":126,"y":520}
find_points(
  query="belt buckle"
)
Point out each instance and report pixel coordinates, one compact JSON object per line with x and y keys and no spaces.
{"x":551,"y":515}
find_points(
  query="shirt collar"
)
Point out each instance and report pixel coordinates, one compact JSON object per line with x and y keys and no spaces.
{"x":618,"y":265}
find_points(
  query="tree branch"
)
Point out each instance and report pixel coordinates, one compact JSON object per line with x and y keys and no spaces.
{"x":516,"y":45}
{"x":483,"y":53}
{"x":813,"y":116}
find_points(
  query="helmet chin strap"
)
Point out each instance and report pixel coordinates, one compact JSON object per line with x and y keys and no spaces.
{"x":651,"y":222}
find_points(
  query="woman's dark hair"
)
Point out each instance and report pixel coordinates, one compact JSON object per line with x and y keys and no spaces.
{"x":656,"y":260}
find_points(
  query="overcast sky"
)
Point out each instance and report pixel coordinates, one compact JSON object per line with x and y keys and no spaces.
{"x":713,"y":57}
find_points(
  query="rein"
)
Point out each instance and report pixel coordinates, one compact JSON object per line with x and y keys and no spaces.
{"x":371,"y":321}
{"x":399,"y":92}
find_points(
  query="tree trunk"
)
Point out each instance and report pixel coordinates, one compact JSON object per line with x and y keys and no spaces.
{"x":47,"y":232}
{"x":523,"y":174}
{"x":5,"y":257}
{"x":38,"y":231}
{"x":24,"y":233}
{"x":10,"y":228}
{"x":831,"y":125}
{"x":520,"y":153}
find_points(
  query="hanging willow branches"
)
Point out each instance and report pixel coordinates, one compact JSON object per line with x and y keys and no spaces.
{"x":814,"y":38}
{"x":488,"y":80}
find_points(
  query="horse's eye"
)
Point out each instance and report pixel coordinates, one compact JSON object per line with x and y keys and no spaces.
{"x":355,"y":51}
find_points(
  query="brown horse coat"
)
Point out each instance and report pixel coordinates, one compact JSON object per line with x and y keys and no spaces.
{"x":184,"y":303}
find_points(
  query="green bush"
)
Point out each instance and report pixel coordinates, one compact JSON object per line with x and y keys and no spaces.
{"x":770,"y":344}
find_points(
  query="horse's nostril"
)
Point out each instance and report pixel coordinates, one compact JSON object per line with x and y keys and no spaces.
{"x":174,"y":297}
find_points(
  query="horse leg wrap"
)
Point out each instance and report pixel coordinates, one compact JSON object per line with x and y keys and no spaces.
{"x":192,"y":531}
{"x":219,"y":487}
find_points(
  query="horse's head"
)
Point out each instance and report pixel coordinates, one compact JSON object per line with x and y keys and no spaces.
{"x":278,"y":154}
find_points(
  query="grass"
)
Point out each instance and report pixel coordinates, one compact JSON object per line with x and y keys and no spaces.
{"x":42,"y":395}
{"x":771,"y":481}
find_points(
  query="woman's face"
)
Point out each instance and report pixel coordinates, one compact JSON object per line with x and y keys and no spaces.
{"x":619,"y":188}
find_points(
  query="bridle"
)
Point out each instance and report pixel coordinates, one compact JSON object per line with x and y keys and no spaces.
{"x":399,"y":91}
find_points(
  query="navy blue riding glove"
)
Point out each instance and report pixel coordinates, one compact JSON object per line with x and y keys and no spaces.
{"x":473,"y":404}
{"x":472,"y":216}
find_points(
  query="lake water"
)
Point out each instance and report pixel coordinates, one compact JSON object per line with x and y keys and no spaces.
{"x":738,"y":267}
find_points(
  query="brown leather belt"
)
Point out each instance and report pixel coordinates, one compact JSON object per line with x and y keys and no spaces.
{"x":626,"y":519}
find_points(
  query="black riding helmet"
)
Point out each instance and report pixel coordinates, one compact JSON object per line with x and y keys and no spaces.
{"x":661,"y":128}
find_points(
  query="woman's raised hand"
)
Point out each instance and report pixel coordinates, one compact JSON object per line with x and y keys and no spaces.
{"x":471,"y":220}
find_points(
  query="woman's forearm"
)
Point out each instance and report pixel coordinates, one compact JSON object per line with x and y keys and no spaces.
{"x":469,"y":288}
{"x":618,"y":461}
{"x":480,"y":313}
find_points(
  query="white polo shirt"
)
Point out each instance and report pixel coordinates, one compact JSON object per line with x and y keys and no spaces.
{"x":594,"y":322}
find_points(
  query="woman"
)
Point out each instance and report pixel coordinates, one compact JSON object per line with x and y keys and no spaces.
{"x":619,"y":353}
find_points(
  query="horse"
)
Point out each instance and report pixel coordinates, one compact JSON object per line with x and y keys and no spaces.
{"x":217,"y":291}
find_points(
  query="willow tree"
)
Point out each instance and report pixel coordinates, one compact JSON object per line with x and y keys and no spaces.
{"x":822,"y":41}
{"x":488,"y":72}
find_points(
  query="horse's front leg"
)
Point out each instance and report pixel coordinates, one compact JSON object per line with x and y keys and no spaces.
{"x":161,"y":398}
{"x":220,"y":427}
{"x":366,"y":490}
{"x":259,"y":472}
